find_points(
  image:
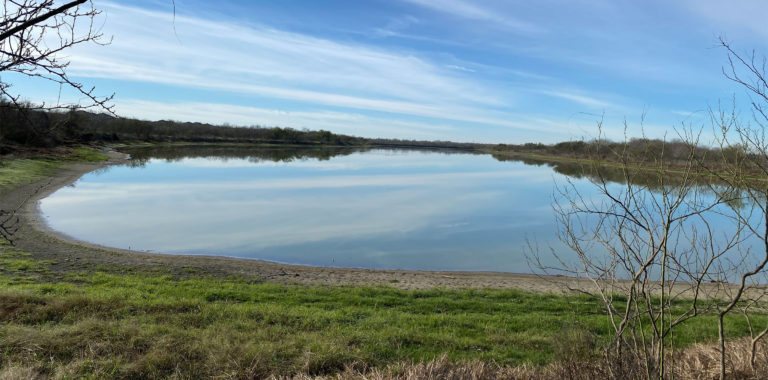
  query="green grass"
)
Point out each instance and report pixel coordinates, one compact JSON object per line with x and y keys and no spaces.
{"x":20,"y":171}
{"x":153,"y":325}
{"x":87,"y":155}
{"x":202,"y":322}
{"x":12,"y":260}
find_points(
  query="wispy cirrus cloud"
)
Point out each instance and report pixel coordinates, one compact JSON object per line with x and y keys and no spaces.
{"x":471,"y":10}
{"x":396,"y":25}
{"x":271,"y":62}
{"x":461,"y":68}
{"x":745,"y":17}
{"x":362,"y":90}
{"x":243,"y":72}
{"x":582,"y":99}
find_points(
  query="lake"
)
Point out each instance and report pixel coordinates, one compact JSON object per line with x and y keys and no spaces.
{"x":383,"y":209}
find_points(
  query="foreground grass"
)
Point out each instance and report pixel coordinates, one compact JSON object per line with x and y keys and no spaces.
{"x":154,"y":326}
{"x":151,"y":325}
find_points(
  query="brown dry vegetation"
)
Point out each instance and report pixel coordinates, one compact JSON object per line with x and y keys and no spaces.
{"x":697,"y":362}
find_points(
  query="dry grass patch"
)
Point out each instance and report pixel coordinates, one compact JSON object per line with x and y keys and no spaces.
{"x":700,"y":361}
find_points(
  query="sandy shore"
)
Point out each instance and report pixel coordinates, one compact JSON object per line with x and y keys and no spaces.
{"x":69,"y":255}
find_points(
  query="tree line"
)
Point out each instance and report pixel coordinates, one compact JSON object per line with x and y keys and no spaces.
{"x":24,"y":125}
{"x":638,"y":150}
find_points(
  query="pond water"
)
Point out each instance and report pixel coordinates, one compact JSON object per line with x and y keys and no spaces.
{"x":386,"y":209}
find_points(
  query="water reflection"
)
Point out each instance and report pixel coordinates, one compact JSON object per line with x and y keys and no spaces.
{"x":348,"y":207}
{"x":171,"y":153}
{"x":648,"y":178}
{"x":256,"y":153}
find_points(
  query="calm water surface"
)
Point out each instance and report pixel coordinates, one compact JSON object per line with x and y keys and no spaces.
{"x":394,"y":209}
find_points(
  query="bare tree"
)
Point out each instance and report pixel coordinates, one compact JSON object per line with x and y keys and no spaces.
{"x":33,"y":36}
{"x":745,"y":166}
{"x":671,"y":239}
{"x":646,"y":241}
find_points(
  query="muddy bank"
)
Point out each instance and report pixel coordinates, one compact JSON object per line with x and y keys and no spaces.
{"x":69,"y":255}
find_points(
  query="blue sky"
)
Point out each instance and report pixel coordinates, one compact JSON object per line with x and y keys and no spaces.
{"x":482,"y":71}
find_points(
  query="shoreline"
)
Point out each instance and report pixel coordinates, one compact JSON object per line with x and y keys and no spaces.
{"x":69,"y":255}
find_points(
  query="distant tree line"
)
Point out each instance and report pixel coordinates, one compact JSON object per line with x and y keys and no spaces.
{"x":25,"y":126}
{"x":29,"y":127}
{"x":635,"y":150}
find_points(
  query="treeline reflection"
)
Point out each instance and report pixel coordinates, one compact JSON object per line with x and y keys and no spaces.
{"x":174,"y":153}
{"x":649,"y":178}
{"x":259,"y":153}
{"x":652,"y":179}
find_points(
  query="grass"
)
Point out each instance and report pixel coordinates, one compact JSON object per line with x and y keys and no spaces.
{"x":692,"y":363}
{"x":96,"y":324}
{"x":87,"y":155}
{"x":18,"y":171}
{"x":153,"y":325}
{"x":13,"y":260}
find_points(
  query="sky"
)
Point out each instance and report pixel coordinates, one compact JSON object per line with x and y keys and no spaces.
{"x":474,"y":71}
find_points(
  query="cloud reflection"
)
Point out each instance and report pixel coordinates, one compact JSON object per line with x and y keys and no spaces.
{"x":268,"y":207}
